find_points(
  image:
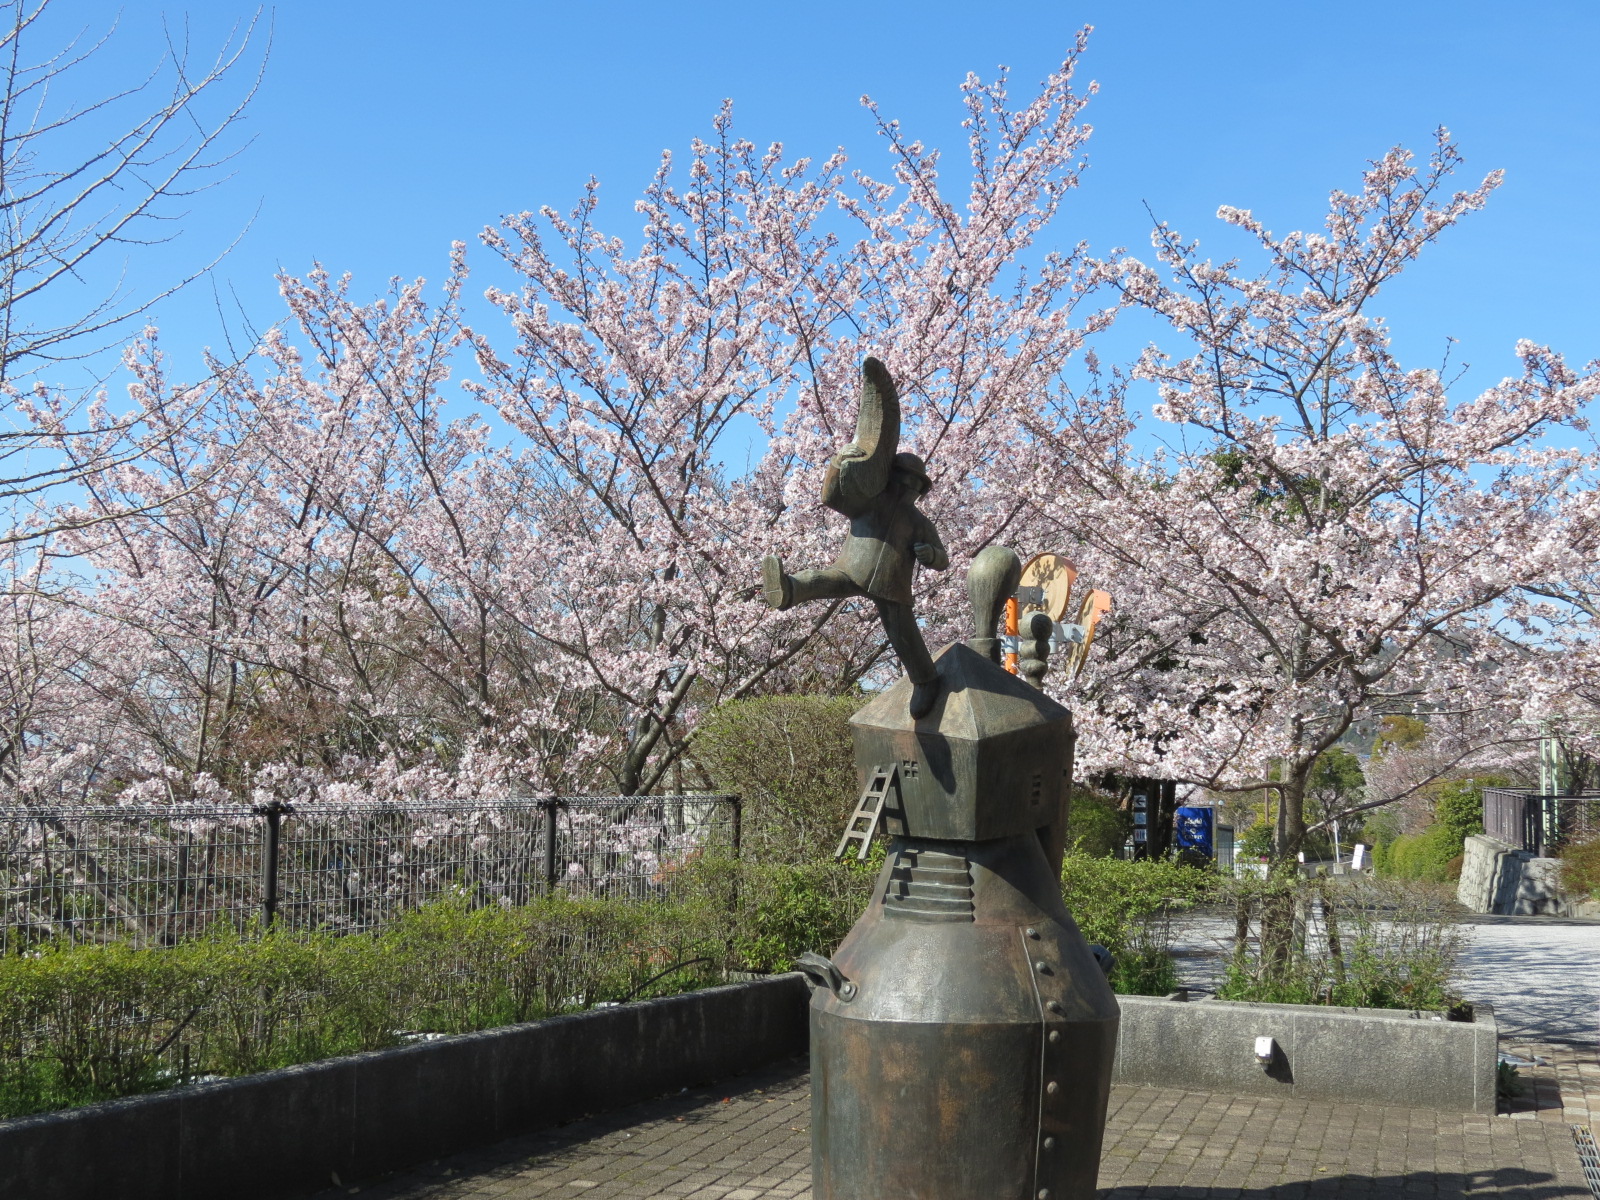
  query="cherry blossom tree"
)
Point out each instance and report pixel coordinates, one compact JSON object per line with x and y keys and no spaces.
{"x":84,"y":184}
{"x":1317,"y":534}
{"x":397,"y":553}
{"x":760,"y":286}
{"x":325,"y":581}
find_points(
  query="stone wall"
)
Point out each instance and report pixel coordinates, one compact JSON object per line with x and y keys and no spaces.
{"x":1381,"y":1056}
{"x":1495,"y":878}
{"x":290,"y":1132}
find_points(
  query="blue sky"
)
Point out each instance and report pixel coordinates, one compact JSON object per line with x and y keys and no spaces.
{"x":385,"y":130}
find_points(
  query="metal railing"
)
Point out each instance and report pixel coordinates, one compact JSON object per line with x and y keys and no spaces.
{"x":154,"y":875}
{"x":1540,"y":823}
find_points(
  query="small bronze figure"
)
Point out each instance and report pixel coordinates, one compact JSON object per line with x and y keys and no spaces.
{"x":1033,"y":650}
{"x":877,"y":487}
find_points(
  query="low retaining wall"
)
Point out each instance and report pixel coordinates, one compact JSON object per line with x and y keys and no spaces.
{"x":286,"y":1133}
{"x":283,"y":1133}
{"x":1497,"y":878}
{"x":1377,"y":1055}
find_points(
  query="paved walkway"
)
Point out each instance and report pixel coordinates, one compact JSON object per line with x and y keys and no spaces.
{"x":1542,"y":974}
{"x":1561,"y":1082}
{"x":749,"y":1139}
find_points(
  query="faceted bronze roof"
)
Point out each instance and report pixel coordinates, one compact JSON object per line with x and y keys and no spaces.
{"x":977,"y":699}
{"x":990,"y":760}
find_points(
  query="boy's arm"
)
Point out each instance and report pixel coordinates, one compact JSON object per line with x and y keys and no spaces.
{"x":928,"y":548}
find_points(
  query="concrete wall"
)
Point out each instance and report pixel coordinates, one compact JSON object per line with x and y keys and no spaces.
{"x":1480,"y":869}
{"x":1495,"y":878}
{"x":1363,"y":1054}
{"x":284,"y":1133}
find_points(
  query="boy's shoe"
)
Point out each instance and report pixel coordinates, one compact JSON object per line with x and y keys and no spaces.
{"x":776,"y":587}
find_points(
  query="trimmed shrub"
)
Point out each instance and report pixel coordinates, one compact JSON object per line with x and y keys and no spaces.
{"x":1435,"y":854}
{"x":1426,"y":856}
{"x":792,"y":760}
{"x":1256,"y":842}
{"x":1580,"y":868}
{"x":785,"y":910}
{"x":1096,"y":827}
{"x":91,"y":1022}
{"x":1127,"y":906}
{"x":106,"y":1013}
{"x":1459,"y":804}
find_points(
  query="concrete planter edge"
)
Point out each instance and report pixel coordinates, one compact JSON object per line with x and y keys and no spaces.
{"x":1363,"y":1055}
{"x":287,"y":1132}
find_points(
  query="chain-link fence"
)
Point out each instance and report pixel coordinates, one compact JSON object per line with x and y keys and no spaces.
{"x":156,"y":875}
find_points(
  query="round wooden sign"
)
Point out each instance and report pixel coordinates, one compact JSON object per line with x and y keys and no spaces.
{"x":1046,"y":585}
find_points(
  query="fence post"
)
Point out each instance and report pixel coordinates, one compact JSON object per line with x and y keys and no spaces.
{"x":273,"y":812}
{"x":550,"y":806}
{"x":738,"y":825}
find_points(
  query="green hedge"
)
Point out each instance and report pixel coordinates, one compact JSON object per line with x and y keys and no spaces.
{"x":86,"y":1023}
{"x":1580,"y":868}
{"x":1096,"y":827}
{"x":1127,"y":906}
{"x":1434,"y":855}
{"x":790,"y":758}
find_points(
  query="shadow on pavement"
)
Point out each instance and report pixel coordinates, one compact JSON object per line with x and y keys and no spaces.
{"x":1509,"y":1183}
{"x":575,"y":1140}
{"x":1544,"y":989}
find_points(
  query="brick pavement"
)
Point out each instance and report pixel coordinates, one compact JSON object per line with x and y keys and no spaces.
{"x":748,"y":1140}
{"x":1562,"y":1082}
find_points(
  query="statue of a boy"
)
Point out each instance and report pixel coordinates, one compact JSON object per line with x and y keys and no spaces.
{"x":877,"y":489}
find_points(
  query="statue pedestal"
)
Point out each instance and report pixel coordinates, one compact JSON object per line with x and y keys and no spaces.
{"x":962,"y":1047}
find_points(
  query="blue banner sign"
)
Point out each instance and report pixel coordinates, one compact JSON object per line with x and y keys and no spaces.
{"x":1196,"y":829}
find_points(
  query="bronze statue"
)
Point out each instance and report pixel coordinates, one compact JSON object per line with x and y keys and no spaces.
{"x":877,"y":487}
{"x":963,"y":1034}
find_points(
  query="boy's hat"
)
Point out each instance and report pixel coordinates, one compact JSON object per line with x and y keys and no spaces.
{"x":911,"y":464}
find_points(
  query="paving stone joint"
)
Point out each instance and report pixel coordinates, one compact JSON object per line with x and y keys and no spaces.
{"x":749,"y":1139}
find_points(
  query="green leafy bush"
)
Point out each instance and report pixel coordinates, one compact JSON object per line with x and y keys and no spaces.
{"x":1256,"y":842}
{"x":1147,"y":971}
{"x":787,"y":909}
{"x":1580,"y":868}
{"x":1096,"y":827}
{"x":1434,"y":855}
{"x":1431,"y":855}
{"x":109,"y":1012}
{"x":86,"y":1023}
{"x":1509,"y":1085}
{"x":791,"y":759}
{"x":273,"y":1001}
{"x":1351,"y":941}
{"x":1127,"y":906}
{"x":1459,"y":804}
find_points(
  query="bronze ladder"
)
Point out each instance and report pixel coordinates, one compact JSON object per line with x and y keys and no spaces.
{"x":869,"y":809}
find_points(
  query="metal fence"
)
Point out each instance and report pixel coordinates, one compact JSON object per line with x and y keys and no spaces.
{"x":1530,"y":821}
{"x":158,"y":875}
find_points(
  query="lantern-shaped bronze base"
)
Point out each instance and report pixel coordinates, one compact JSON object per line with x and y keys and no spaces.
{"x":962,"y":1037}
{"x":972,"y":1059}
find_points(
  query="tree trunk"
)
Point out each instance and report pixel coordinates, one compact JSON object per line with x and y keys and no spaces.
{"x":1278,"y":906}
